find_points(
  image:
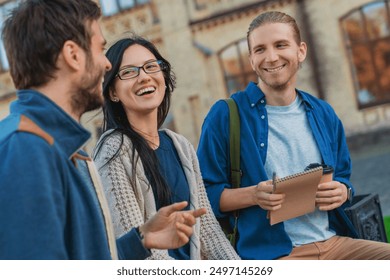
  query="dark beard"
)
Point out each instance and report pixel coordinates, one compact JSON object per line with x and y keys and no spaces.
{"x":87,"y":99}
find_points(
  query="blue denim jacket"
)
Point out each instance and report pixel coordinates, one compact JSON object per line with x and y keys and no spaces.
{"x":48,"y":210}
{"x":257,"y":239}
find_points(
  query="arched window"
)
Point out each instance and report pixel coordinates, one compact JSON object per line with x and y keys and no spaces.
{"x":367,"y":38}
{"x":236,"y":67}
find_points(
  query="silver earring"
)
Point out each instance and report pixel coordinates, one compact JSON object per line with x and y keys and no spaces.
{"x":115,"y":99}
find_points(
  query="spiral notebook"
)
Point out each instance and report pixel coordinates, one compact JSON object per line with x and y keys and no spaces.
{"x":300,"y":190}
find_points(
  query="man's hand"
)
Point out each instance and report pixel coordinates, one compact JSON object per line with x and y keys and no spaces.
{"x":330,"y":195}
{"x":264,"y":197}
{"x":170,"y":228}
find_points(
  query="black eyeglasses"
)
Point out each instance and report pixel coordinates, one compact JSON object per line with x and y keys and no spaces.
{"x":150,"y":67}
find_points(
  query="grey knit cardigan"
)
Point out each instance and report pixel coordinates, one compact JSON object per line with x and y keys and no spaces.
{"x":132,"y":207}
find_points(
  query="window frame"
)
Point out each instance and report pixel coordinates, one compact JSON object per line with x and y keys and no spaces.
{"x":245,"y":76}
{"x":365,"y":41}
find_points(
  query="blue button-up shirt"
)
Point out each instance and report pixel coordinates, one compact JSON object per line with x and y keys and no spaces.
{"x":257,"y":239}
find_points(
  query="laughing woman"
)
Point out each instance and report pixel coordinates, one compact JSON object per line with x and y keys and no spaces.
{"x":143,"y":167}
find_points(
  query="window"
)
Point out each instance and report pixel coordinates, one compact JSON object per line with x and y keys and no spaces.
{"x":112,"y":7}
{"x":366,"y":33}
{"x":236,"y":66}
{"x":4,"y":11}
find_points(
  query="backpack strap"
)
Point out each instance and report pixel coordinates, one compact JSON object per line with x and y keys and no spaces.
{"x":27,"y":125}
{"x":235,"y":171}
{"x":234,"y":137}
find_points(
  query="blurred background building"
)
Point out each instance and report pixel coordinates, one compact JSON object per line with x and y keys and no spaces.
{"x":348,"y":62}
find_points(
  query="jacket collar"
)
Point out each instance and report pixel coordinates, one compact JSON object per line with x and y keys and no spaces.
{"x":68,"y":134}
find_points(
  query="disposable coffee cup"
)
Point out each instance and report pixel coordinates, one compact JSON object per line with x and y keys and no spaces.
{"x":327,"y":171}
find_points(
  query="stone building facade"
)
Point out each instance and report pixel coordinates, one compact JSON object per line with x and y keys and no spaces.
{"x":348,"y":62}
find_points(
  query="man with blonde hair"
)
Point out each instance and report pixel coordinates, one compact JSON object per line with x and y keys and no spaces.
{"x":283,"y":129}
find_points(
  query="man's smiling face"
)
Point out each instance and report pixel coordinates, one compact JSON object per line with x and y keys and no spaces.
{"x":275,"y":55}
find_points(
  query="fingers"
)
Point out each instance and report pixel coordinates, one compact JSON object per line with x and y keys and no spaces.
{"x":272,"y":208}
{"x":270,"y":201}
{"x":333,"y":185}
{"x":186,"y":218}
{"x":182,"y":239}
{"x":323,"y":202}
{"x":168,"y":210}
{"x":328,"y":207}
{"x":199,"y":212}
{"x":184,"y":231}
{"x":330,"y":190}
{"x":189,"y":217}
{"x":264,"y":197}
{"x":330,"y":196}
{"x":265,"y":186}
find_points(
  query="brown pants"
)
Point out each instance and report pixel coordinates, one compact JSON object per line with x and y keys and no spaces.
{"x":341,"y":248}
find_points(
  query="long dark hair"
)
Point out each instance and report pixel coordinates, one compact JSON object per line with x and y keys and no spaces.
{"x":115,"y":117}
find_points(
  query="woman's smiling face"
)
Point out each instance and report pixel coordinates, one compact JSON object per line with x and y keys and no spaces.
{"x":144,"y":93}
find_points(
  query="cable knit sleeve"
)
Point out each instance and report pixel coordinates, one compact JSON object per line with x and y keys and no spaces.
{"x":130,"y":207}
{"x":213,"y":243}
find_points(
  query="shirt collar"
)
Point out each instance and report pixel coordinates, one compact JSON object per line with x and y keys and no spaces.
{"x":306,"y":101}
{"x":255,"y":95}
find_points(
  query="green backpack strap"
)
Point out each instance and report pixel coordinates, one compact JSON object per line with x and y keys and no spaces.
{"x":235,"y":171}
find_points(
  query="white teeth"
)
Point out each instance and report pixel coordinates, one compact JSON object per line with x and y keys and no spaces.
{"x":274,"y":69}
{"x":145,"y":90}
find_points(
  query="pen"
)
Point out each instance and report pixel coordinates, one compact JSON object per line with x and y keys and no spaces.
{"x":273,"y":182}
